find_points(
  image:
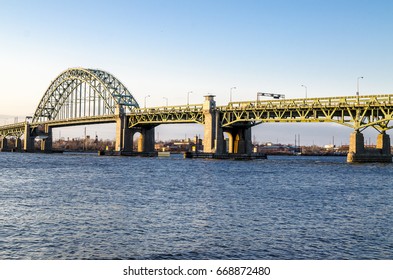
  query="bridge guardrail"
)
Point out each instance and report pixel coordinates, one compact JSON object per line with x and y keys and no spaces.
{"x":166,"y":109}
{"x":318,"y":102}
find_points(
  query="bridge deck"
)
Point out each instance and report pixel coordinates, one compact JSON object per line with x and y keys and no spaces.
{"x":357,"y":112}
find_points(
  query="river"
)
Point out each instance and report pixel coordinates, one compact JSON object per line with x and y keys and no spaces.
{"x":79,"y":206}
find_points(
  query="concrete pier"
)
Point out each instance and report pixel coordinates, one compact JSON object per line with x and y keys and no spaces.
{"x":46,"y":143}
{"x":213,"y":141}
{"x":210,"y":141}
{"x":359,"y":154}
{"x":239,"y":139}
{"x":146,"y":140}
{"x":28,"y":141}
{"x":18,"y":144}
{"x":124,"y":134}
{"x":3,"y":144}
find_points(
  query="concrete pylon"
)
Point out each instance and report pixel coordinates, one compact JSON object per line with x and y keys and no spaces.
{"x":356,"y":143}
{"x":358,"y":153}
{"x":213,"y":139}
{"x":46,"y":143}
{"x":3,"y":144}
{"x":146,"y":140}
{"x":383,"y":143}
{"x":240,"y":141}
{"x":123,"y":133}
{"x":28,"y":141}
{"x":18,"y":144}
{"x":209,"y":111}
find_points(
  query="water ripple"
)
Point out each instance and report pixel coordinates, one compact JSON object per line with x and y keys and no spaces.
{"x":88,"y":207}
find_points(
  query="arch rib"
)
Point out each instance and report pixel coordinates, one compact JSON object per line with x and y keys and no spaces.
{"x":79,"y":92}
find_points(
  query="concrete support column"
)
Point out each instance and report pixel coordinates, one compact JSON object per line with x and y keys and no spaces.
{"x":128,"y":136}
{"x":209,"y":137}
{"x":219,"y":142}
{"x":28,"y":141}
{"x":248,"y":141}
{"x":240,"y":140}
{"x":123,"y":133}
{"x":46,"y":144}
{"x":18,"y":144}
{"x":383,"y":143}
{"x":244,"y":143}
{"x":357,"y":152}
{"x":213,"y":139}
{"x":146,"y":140}
{"x":356,"y":143}
{"x":230,"y":143}
{"x":3,"y":144}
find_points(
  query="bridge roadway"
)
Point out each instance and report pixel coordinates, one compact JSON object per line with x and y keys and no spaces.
{"x":86,"y":96}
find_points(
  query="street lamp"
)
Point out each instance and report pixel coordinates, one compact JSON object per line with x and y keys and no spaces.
{"x":230,"y":97}
{"x":357,"y":93}
{"x":188,"y":97}
{"x":145,"y":100}
{"x":166,"y":101}
{"x":306,"y":89}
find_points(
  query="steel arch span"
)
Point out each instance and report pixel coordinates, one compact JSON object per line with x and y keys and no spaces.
{"x":79,"y":92}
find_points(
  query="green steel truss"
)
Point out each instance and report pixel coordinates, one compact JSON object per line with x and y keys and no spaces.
{"x":356,"y":112}
{"x":16,"y":129}
{"x":169,"y":114}
{"x":352,"y":111}
{"x":80,"y":93}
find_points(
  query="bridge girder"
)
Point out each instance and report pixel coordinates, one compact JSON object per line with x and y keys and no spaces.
{"x":16,"y":130}
{"x":166,"y":115}
{"x":356,"y":112}
{"x":79,"y":92}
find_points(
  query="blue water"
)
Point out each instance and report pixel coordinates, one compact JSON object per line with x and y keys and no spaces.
{"x":90,"y":207}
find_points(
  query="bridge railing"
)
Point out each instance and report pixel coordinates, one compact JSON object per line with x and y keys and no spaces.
{"x":168,"y":109}
{"x":79,"y":120}
{"x":10,"y":126}
{"x":341,"y":101}
{"x":192,"y":113}
{"x":15,"y":129}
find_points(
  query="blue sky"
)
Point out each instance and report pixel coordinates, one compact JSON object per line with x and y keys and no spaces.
{"x":168,"y":48}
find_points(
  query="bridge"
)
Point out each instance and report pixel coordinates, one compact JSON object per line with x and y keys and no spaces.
{"x":87,"y":96}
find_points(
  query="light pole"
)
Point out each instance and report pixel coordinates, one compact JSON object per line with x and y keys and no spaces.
{"x":166,"y":101}
{"x":306,"y":89}
{"x":145,"y":100}
{"x":230,"y":96}
{"x":188,"y":97}
{"x":357,"y":93}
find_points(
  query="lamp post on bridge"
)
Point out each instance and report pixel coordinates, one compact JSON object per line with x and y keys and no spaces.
{"x":188,"y":97}
{"x":306,"y":89}
{"x":166,"y":101}
{"x":145,"y":101}
{"x":230,"y":96}
{"x":357,"y":92}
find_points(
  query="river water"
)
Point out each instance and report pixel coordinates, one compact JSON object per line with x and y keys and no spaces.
{"x":78,"y":206}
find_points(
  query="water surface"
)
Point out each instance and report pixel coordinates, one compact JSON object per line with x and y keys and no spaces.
{"x":88,"y":207}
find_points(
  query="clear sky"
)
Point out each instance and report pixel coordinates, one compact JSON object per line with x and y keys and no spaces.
{"x":168,"y":48}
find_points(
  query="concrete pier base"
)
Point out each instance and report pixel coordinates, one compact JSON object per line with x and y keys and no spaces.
{"x":239,"y":140}
{"x":3,"y":144}
{"x":146,"y":140}
{"x":18,"y":144}
{"x":46,"y":143}
{"x":210,"y":139}
{"x":28,"y":139}
{"x":213,"y":141}
{"x":359,"y":154}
